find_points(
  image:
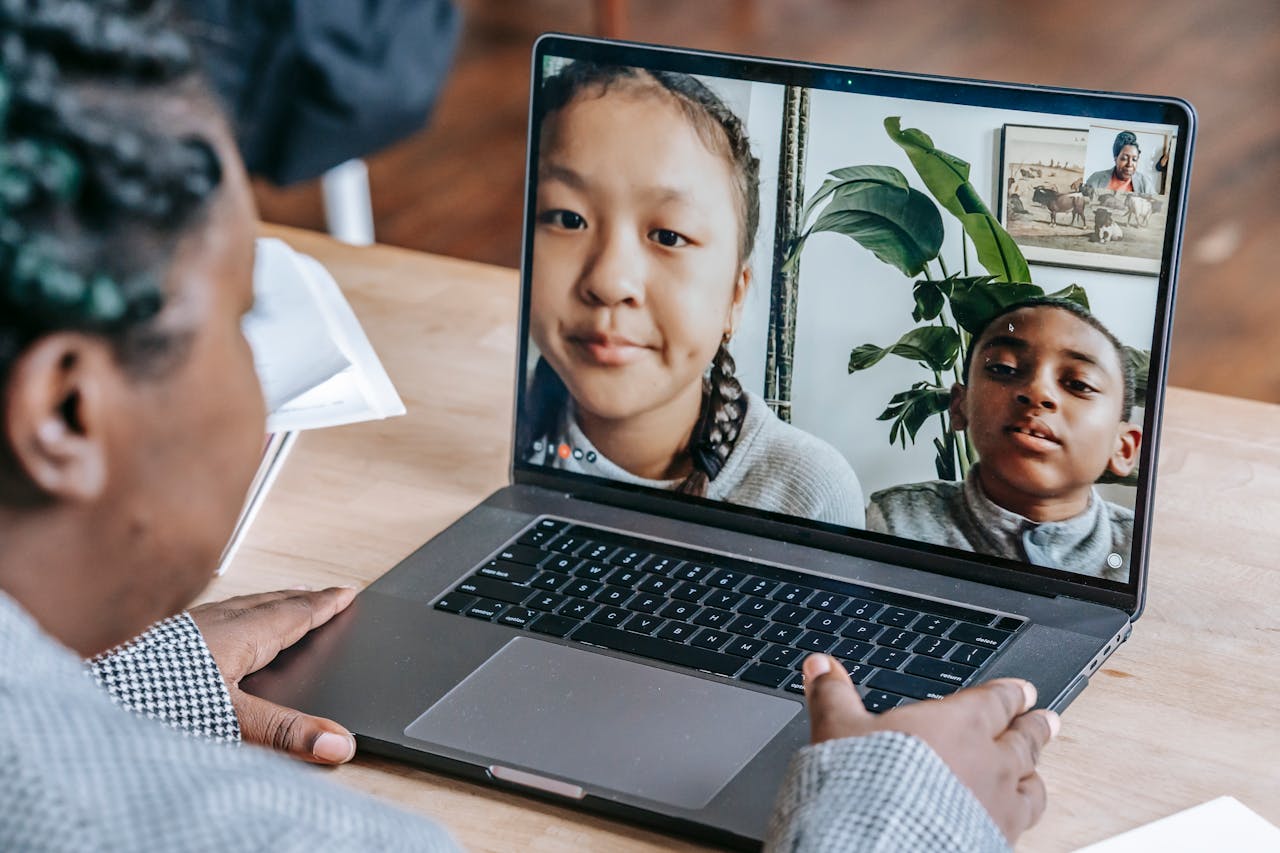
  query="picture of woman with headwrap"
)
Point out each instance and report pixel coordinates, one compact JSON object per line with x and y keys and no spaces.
{"x":1124,"y":176}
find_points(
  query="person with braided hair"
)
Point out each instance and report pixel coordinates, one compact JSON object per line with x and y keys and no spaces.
{"x":647,"y":210}
{"x":130,"y":426}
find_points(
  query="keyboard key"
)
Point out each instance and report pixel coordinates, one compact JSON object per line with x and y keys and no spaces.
{"x":951,"y":673}
{"x":791,"y":614}
{"x":935,"y":647}
{"x":556,"y":626}
{"x":722,"y":599}
{"x":661,"y":565}
{"x":534,"y":538}
{"x":570,"y":544}
{"x":624,"y":576}
{"x":796,"y":684}
{"x":676,"y":631}
{"x":577,"y":608}
{"x":815,"y":641}
{"x":711,"y":618}
{"x":550,"y":525}
{"x":518,"y":617}
{"x":681,"y":610}
{"x":657,"y":585}
{"x":455,"y":602}
{"x":887,"y":658}
{"x":559,"y":563}
{"x":1009,"y":623}
{"x":645,"y":603}
{"x":828,"y":601}
{"x":691,"y":572}
{"x":628,"y":558}
{"x":763,"y":673}
{"x":748,"y":626}
{"x":860,"y":609}
{"x":744,"y":647}
{"x":986,"y":637}
{"x":582,"y":589}
{"x":758,"y":586}
{"x":512,"y":573}
{"x":897,"y":617}
{"x":828,"y":622}
{"x":858,"y":672}
{"x":859,"y":630}
{"x":686,"y":591}
{"x":521,"y":554}
{"x":496,"y":589}
{"x":780,"y":655}
{"x":549,"y":580}
{"x":485,"y":609}
{"x":599,"y":551}
{"x":642,"y":623}
{"x":658,"y":649}
{"x":592,"y":571}
{"x":725,"y":579}
{"x":969,"y":655}
{"x":778,"y":633}
{"x":878,"y":701}
{"x":761,"y":607}
{"x":545,"y":601}
{"x":709,"y":639}
{"x":910,"y":685}
{"x":612,"y":616}
{"x":791,"y":594}
{"x":851,"y":650}
{"x":935,"y":625}
{"x":613,"y":595}
{"x":899,"y":639}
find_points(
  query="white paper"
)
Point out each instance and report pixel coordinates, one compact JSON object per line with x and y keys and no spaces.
{"x":1221,"y":824}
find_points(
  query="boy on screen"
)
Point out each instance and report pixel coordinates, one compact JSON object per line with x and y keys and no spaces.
{"x":1046,"y":401}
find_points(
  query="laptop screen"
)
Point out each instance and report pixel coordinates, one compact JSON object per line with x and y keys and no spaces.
{"x":921,"y":311}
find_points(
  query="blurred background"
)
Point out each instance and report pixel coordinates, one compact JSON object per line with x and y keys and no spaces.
{"x":455,"y":187}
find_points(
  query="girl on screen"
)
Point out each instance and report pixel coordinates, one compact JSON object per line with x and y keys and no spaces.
{"x":646,"y":214}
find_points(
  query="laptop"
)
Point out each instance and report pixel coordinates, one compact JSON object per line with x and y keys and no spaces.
{"x":798,"y":372}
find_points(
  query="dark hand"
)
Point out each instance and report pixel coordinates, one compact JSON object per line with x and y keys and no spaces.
{"x":245,"y":634}
{"x":984,"y":734}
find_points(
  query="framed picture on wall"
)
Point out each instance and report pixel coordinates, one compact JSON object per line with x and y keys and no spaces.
{"x":1087,"y":197}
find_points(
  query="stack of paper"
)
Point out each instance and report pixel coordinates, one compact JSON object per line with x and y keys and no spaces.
{"x":1221,"y":824}
{"x":315,"y":364}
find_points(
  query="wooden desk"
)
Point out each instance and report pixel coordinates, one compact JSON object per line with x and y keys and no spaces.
{"x":1184,"y":712}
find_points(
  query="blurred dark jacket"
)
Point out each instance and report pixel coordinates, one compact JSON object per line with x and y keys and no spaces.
{"x":313,"y":83}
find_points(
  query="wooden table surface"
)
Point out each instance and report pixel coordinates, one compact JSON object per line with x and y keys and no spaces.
{"x":1184,"y":712}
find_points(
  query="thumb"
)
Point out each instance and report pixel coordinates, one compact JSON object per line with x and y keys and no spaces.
{"x":835,"y":708}
{"x":301,"y":735}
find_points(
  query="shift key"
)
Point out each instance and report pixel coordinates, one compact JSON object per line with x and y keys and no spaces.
{"x":491,"y":588}
{"x":909,"y":685}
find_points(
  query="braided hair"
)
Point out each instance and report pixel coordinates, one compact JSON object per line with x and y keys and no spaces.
{"x":93,"y":193}
{"x":723,"y":405}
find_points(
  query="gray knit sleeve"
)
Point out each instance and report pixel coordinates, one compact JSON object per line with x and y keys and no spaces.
{"x":886,"y":791}
{"x":169,"y":674}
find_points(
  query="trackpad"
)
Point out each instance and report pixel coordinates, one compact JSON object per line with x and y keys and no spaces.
{"x":605,"y":723}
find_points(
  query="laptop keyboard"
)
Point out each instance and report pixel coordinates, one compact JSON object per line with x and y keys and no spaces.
{"x":731,"y":617}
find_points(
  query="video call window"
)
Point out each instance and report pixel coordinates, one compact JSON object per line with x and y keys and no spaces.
{"x":927,"y":320}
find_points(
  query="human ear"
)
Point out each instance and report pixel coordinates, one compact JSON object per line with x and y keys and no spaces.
{"x":1125,"y":455}
{"x":740,"y":287}
{"x":54,"y":415}
{"x":959,"y":422}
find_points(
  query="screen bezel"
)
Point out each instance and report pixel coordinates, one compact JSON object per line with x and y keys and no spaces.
{"x":937,"y":559}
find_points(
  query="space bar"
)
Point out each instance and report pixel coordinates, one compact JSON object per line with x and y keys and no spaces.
{"x":649,"y":647}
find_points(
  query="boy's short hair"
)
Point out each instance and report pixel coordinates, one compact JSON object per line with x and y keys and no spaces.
{"x":1078,"y":310}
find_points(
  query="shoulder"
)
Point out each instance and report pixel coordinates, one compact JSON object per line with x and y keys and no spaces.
{"x":806,"y":475}
{"x":1099,"y":179}
{"x":907,"y":507}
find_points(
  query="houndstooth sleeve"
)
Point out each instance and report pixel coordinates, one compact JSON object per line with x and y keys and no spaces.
{"x":169,"y":674}
{"x":882,"y":792}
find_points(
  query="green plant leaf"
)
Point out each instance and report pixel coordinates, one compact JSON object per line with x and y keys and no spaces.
{"x":899,"y":226}
{"x":935,"y":347}
{"x":929,"y":300}
{"x":976,"y":299}
{"x":886,"y":175}
{"x":1140,"y":361}
{"x":1072,"y":293}
{"x":947,"y":178}
{"x":910,"y":409}
{"x":945,"y":461}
